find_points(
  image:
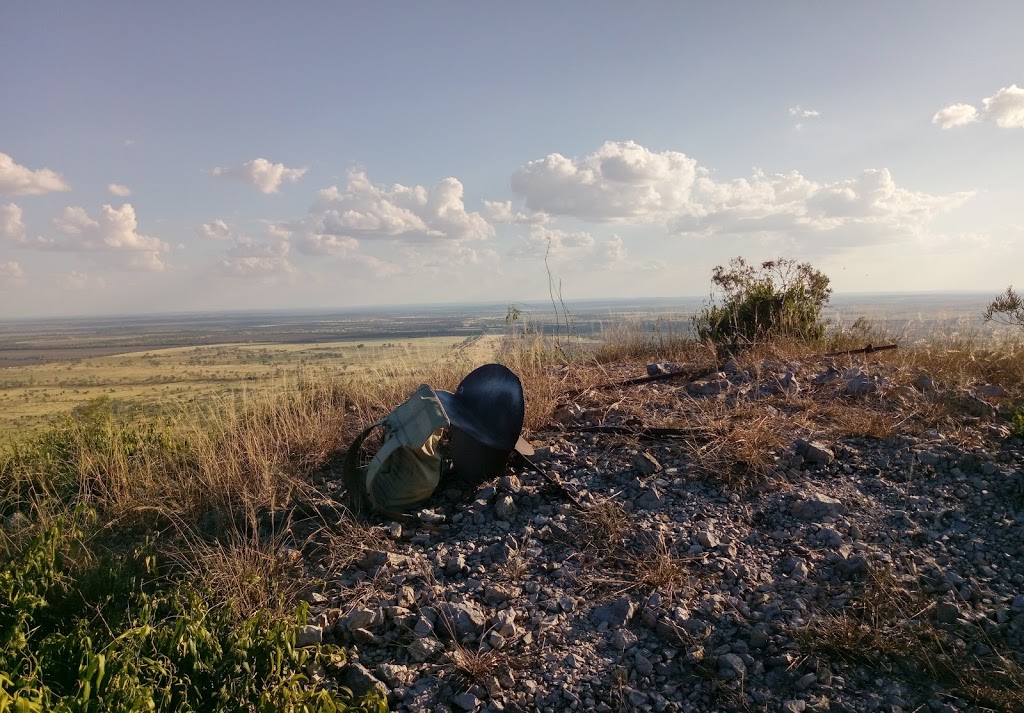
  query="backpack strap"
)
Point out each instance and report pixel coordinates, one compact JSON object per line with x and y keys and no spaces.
{"x":354,"y":482}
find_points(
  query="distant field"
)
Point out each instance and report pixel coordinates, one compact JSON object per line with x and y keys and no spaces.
{"x":158,"y":381}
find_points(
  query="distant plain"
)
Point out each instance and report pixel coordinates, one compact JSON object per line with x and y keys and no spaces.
{"x":153,"y":365}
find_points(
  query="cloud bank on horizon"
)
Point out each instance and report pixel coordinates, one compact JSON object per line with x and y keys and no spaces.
{"x":391,"y":169}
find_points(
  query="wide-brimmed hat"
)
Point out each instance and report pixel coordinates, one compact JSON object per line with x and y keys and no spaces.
{"x":486,"y":414}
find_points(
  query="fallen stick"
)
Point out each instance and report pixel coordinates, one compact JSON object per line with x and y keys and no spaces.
{"x":642,"y":432}
{"x":869,"y":349}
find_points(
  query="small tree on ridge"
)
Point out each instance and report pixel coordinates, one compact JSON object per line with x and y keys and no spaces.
{"x":780,"y":298}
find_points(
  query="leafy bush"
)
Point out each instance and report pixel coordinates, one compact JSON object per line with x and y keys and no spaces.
{"x":781,"y":298}
{"x":114,"y":637}
{"x":1006,"y":309}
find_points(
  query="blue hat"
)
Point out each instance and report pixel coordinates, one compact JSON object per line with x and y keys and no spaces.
{"x":486,"y":413}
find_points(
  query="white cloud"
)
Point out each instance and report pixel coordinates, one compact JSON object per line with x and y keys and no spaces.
{"x":501,"y":212}
{"x":248,"y":258}
{"x":113,"y":232}
{"x":790,"y":203}
{"x":369,"y":211}
{"x":217,"y":229}
{"x":1005,"y":108}
{"x":17,"y":180}
{"x":619,"y":181}
{"x":541,"y":241}
{"x":119,"y":190}
{"x":955,"y":115}
{"x":261,"y":173}
{"x":613,"y":250}
{"x":625,"y":182}
{"x":77,"y":281}
{"x":11,"y":271}
{"x":11,"y":224}
{"x":800,"y":113}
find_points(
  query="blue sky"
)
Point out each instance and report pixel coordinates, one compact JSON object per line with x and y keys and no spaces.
{"x":190,"y":156}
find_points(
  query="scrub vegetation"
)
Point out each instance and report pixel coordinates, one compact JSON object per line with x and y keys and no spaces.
{"x":146,"y":529}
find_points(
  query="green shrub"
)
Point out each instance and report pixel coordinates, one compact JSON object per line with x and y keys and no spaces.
{"x":115,"y":637}
{"x":781,"y":298}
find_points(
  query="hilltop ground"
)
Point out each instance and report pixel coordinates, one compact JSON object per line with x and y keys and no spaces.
{"x":819,"y":534}
{"x":810,"y":533}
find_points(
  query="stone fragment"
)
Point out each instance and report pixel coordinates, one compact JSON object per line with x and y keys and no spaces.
{"x":923,"y":382}
{"x":425,"y":649}
{"x":859,"y":383}
{"x":643,"y":666}
{"x":794,"y":705}
{"x":393,"y":675}
{"x":363,"y":619}
{"x":814,"y":452}
{"x":504,"y":623}
{"x":356,"y":678}
{"x":946,"y":613}
{"x":504,"y":508}
{"x":816,"y":506}
{"x":991,"y":391}
{"x":661,"y":367}
{"x":646,"y":464}
{"x":465,"y":701}
{"x":650,"y":499}
{"x":509,"y":484}
{"x":463,"y":619}
{"x":708,"y":539}
{"x":616,"y":613}
{"x":731,"y":666}
{"x":308,"y":635}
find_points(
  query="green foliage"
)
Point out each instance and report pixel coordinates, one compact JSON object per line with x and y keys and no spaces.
{"x":114,"y":637}
{"x":781,"y":298}
{"x":1017,"y":429}
{"x":1007,"y":309}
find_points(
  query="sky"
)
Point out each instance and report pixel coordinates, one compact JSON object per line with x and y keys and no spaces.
{"x":160,"y":157}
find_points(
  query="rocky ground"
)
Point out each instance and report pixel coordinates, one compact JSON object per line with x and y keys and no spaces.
{"x":814,"y":537}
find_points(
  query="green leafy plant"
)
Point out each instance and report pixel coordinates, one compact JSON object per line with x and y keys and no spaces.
{"x":115,"y":637}
{"x":779,"y":298}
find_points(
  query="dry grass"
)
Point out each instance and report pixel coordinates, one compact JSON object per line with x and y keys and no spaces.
{"x":890,"y":623}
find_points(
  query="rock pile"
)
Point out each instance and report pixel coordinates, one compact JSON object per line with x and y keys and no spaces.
{"x":672,"y":592}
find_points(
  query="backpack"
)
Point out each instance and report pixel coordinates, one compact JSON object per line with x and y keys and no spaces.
{"x":407,"y":467}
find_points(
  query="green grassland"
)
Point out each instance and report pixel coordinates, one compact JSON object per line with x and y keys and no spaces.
{"x":161,"y":381}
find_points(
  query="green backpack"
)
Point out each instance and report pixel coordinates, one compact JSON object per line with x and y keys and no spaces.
{"x":407,"y":467}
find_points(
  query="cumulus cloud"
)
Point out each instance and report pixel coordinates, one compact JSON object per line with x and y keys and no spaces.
{"x":625,"y":182}
{"x":501,"y":212}
{"x":364,"y":210}
{"x":11,"y":224}
{"x":620,"y":181}
{"x":541,"y":241}
{"x":119,"y":190}
{"x":217,"y":230}
{"x":78,"y":281}
{"x":261,"y":173}
{"x":247,"y":257}
{"x":10,"y":271}
{"x":113,"y":232}
{"x":791,"y":203}
{"x":17,"y":180}
{"x":955,"y":115}
{"x":1005,"y":108}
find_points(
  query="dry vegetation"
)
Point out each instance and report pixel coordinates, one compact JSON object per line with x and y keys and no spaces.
{"x":200,"y":481}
